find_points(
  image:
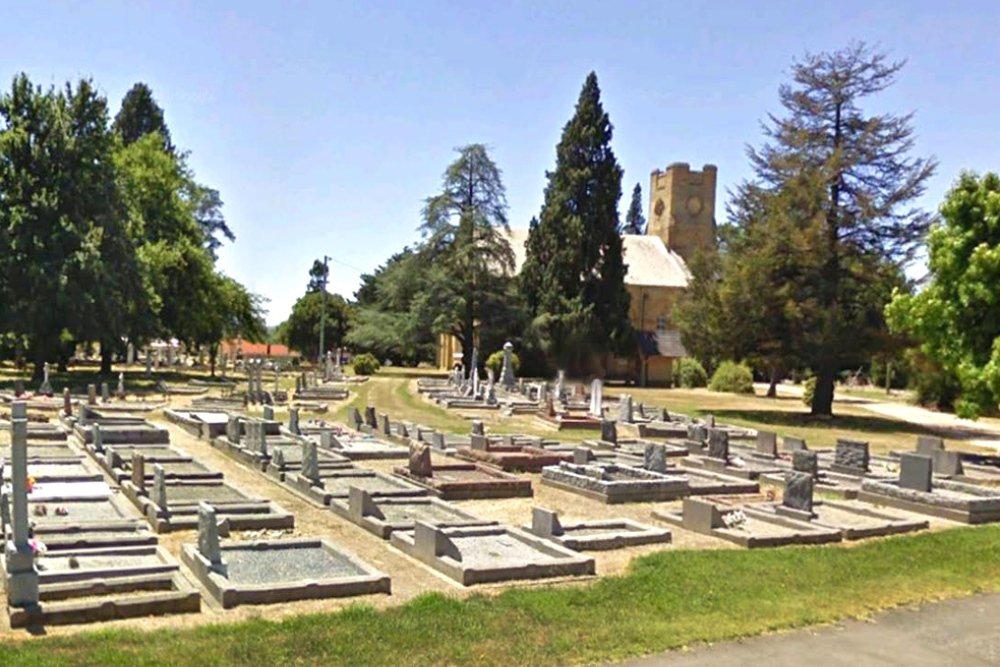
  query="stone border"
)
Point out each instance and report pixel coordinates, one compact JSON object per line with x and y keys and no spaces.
{"x":499,"y":485}
{"x":362,"y":509}
{"x":646,"y":487}
{"x":983,"y":509}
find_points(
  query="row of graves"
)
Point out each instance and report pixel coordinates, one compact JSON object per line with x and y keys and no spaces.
{"x":111,"y":399}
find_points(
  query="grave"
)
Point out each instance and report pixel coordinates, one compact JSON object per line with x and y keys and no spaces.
{"x":136,"y":432}
{"x":361,"y":447}
{"x":335,"y":483}
{"x":749,"y":530}
{"x":382,"y":515}
{"x":614,"y":483}
{"x":205,"y":424}
{"x":483,"y":554}
{"x":512,"y":458}
{"x":719,"y":460}
{"x":917,"y":491}
{"x":266,"y":572}
{"x":461,"y":481}
{"x":288,"y":458}
{"x":851,"y":457}
{"x":601,"y":535}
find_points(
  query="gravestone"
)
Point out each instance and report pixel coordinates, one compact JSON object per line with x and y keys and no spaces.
{"x":138,"y":471}
{"x":386,"y":425}
{"x":293,"y":421}
{"x":474,"y":372}
{"x":655,"y":457}
{"x":81,"y":414}
{"x":491,"y":394}
{"x":851,"y":456}
{"x":46,"y":388}
{"x":310,"y":462}
{"x":130,"y":354}
{"x":121,"y":386}
{"x":625,"y":409}
{"x":581,"y":456}
{"x":233,"y":429}
{"x":478,"y":428}
{"x":718,"y":444}
{"x":767,"y":443}
{"x":479,"y":443}
{"x":325,"y":439}
{"x":91,"y":394}
{"x":697,"y":433}
{"x":798,"y":493}
{"x":560,"y":385}
{"x":354,"y":417}
{"x":437,"y":439}
{"x":550,"y":407}
{"x":709,"y":421}
{"x":208,"y":536}
{"x":947,"y":463}
{"x":609,"y":431}
{"x":928,"y":444}
{"x":159,"y":487}
{"x":543,"y":393}
{"x":105,"y":393}
{"x":67,"y":402}
{"x":328,"y":366}
{"x":404,"y":432}
{"x":370,"y":418}
{"x":279,"y":459}
{"x":545,"y":523}
{"x":97,"y":438}
{"x":22,"y":573}
{"x":597,"y":398}
{"x":420,"y":461}
{"x":915,"y":472}
{"x":805,"y":461}
{"x":18,"y":388}
{"x":269,"y":413}
{"x":790,"y":444}
{"x":507,"y":374}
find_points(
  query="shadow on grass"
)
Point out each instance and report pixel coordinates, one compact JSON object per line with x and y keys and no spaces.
{"x":865,"y":423}
{"x":77,"y":380}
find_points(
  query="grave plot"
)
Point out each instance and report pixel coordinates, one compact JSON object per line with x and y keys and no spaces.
{"x":917,"y":491}
{"x":264,"y":572}
{"x":957,"y":466}
{"x":139,"y":468}
{"x":751,"y":531}
{"x":462,"y":481}
{"x":854,"y":519}
{"x":519,"y":457}
{"x":482,"y":554}
{"x":171,"y":505}
{"x":601,"y":535}
{"x":615,"y":484}
{"x":357,"y":447}
{"x":140,"y":433}
{"x":219,"y":403}
{"x":382,"y":515}
{"x":569,"y":418}
{"x":42,"y":470}
{"x":717,"y":459}
{"x":288,"y":458}
{"x":46,"y":453}
{"x":204,"y":424}
{"x":324,"y":485}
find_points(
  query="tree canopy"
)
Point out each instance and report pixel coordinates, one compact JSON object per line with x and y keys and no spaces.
{"x":635,"y":221}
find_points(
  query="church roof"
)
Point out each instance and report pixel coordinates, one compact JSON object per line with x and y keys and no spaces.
{"x":650,"y":263}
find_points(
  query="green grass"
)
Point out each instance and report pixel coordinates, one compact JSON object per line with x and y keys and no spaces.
{"x":667,"y":600}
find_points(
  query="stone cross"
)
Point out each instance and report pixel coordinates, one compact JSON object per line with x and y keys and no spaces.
{"x":596,"y":398}
{"x":310,"y":462}
{"x":293,"y":421}
{"x":507,"y":378}
{"x":67,"y":402}
{"x":138,"y":471}
{"x":208,"y":535}
{"x":159,"y":487}
{"x":46,"y":388}
{"x":22,"y":573}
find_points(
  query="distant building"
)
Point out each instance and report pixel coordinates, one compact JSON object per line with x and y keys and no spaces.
{"x":681,"y":223}
{"x":241,"y":349}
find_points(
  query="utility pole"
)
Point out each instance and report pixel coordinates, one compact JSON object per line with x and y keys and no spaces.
{"x":322,"y":312}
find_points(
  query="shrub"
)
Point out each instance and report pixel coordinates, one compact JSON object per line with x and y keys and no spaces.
{"x":495,"y":362}
{"x":733,"y":378}
{"x":691,"y":374}
{"x":808,"y":390}
{"x":366,"y":364}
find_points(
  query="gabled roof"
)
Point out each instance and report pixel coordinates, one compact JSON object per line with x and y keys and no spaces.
{"x":650,"y":263}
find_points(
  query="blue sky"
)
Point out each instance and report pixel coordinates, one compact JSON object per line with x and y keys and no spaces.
{"x":325,"y":124}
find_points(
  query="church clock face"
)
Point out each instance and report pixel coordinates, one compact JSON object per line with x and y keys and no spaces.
{"x":694,"y":205}
{"x":658,"y":209}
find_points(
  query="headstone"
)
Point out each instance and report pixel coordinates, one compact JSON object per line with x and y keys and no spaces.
{"x":507,"y":374}
{"x":507,"y":439}
{"x":543,"y":393}
{"x":310,"y":462}
{"x":491,"y":394}
{"x":121,"y":386}
{"x":159,"y":487}
{"x":81,"y":414}
{"x":806,"y":462}
{"x":697,"y":433}
{"x":700,"y":515}
{"x":437,"y":439}
{"x":97,"y":438}
{"x":478,"y":428}
{"x":948,"y":464}
{"x":46,"y":388}
{"x":474,"y":372}
{"x":718,"y":444}
{"x":326,"y":439}
{"x":269,"y":413}
{"x":18,"y":388}
{"x":928,"y":444}
{"x":430,"y":542}
{"x":767,"y":443}
{"x":597,"y":398}
{"x":798,"y":493}
{"x":354,"y":417}
{"x":208,"y":535}
{"x":790,"y":444}
{"x":550,"y":407}
{"x":479,"y":443}
{"x":420,"y":461}
{"x":655,"y":457}
{"x":385,"y":426}
{"x":915,"y":472}
{"x":360,"y":503}
{"x":130,"y":354}
{"x":560,"y":385}
{"x":67,"y":402}
{"x":22,"y":573}
{"x":581,"y":456}
{"x":709,"y":421}
{"x":370,"y":418}
{"x":328,"y":367}
{"x":293,"y":421}
{"x":609,"y":431}
{"x":233,"y":429}
{"x":851,"y":456}
{"x":404,"y":432}
{"x":278,"y":460}
{"x":625,"y":409}
{"x":545,"y":523}
{"x":138,"y":471}
{"x":91,"y":394}
{"x":105,"y":393}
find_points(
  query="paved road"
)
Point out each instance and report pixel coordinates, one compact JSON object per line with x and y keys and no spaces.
{"x":958,"y":633}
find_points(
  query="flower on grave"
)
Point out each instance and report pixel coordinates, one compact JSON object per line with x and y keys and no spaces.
{"x":30,"y":483}
{"x":38,"y":547}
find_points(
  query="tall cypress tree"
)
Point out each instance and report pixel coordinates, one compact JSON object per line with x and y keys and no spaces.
{"x":635,"y":221}
{"x":141,"y":115}
{"x":573,"y":278}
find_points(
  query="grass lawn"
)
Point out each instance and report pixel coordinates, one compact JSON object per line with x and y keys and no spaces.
{"x":667,"y":600}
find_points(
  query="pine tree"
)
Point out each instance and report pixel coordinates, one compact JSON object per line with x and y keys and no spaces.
{"x":573,"y":279}
{"x":141,"y":115}
{"x":635,"y":221}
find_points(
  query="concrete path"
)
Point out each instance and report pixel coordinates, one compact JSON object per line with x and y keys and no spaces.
{"x":958,"y":633}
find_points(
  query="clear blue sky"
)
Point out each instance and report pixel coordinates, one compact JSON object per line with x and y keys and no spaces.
{"x":325,"y":124}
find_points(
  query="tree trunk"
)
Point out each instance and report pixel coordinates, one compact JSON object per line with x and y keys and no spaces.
{"x":107,"y":356}
{"x":822,"y":403}
{"x":772,"y":389}
{"x":213,"y":352}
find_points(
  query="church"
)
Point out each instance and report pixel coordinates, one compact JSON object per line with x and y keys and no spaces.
{"x":681,"y":223}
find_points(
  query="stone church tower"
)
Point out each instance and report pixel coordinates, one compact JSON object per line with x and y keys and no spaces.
{"x":682,"y":208}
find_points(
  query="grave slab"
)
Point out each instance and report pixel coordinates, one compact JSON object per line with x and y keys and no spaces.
{"x":615,"y":484}
{"x":601,"y":535}
{"x":382,"y":515}
{"x":468,"y":481}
